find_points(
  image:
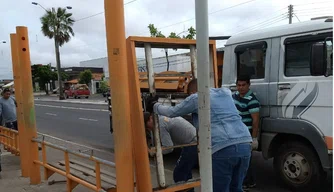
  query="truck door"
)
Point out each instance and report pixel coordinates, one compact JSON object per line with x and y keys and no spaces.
{"x":253,"y":59}
{"x":303,"y":94}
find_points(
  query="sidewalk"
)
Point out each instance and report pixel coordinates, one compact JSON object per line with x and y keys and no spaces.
{"x":94,"y":99}
{"x":11,"y":181}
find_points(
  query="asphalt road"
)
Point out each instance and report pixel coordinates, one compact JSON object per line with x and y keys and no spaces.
{"x":89,"y":124}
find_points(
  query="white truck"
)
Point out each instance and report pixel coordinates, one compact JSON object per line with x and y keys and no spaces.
{"x":291,"y":70}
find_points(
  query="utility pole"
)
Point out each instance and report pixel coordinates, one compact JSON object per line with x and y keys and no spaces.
{"x":290,"y":13}
{"x":203,"y":62}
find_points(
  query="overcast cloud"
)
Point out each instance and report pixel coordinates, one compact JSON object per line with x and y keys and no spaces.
{"x":89,"y":41}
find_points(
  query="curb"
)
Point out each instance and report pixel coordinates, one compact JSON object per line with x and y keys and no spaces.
{"x":76,"y":102}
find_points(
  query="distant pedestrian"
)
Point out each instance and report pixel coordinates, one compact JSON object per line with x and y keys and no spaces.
{"x":8,"y":110}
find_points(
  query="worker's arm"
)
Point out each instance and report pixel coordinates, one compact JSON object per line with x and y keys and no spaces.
{"x":254,"y":110}
{"x":189,"y":105}
{"x":255,"y":125}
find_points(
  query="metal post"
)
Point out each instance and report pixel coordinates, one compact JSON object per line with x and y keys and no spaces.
{"x":28,"y":103}
{"x":24,"y":154}
{"x":290,"y":13}
{"x":157,"y":142}
{"x":193,"y":61}
{"x":149,"y":66}
{"x":202,"y":45}
{"x":118,"y":73}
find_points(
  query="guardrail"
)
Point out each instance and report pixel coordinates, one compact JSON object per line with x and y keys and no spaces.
{"x":72,"y":172}
{"x":10,"y":139}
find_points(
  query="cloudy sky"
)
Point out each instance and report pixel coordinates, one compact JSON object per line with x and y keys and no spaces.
{"x":226,"y":18}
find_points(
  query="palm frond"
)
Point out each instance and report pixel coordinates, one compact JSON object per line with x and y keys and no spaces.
{"x":57,"y":24}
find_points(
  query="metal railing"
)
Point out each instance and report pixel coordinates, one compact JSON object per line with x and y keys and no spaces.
{"x":67,"y":173}
{"x":10,"y":139}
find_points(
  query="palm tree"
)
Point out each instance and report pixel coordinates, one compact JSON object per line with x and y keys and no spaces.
{"x":57,"y":25}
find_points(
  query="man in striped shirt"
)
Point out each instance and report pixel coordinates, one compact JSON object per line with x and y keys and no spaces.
{"x":249,"y":110}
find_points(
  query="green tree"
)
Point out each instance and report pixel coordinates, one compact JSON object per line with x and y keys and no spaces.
{"x":43,"y":75}
{"x":156,"y":33}
{"x":103,"y":87}
{"x":57,"y":25}
{"x":173,"y":35}
{"x":85,"y":77}
{"x":191,"y":33}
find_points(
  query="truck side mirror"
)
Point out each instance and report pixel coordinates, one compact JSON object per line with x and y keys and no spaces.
{"x":317,"y":59}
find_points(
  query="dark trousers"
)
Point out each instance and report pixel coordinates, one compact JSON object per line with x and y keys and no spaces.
{"x":12,"y":125}
{"x":229,"y":167}
{"x":186,"y":162}
{"x":250,"y":178}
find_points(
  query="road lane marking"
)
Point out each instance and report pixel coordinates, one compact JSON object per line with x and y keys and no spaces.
{"x":75,"y":108}
{"x":85,"y":119}
{"x":52,"y":114}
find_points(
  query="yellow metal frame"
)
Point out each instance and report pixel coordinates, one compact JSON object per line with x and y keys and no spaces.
{"x":71,"y":180}
{"x":10,"y":139}
{"x":131,"y":154}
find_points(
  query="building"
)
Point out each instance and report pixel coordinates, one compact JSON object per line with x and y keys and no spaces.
{"x":179,"y":62}
{"x":74,"y":73}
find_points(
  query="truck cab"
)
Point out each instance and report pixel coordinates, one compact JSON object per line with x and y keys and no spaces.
{"x":291,"y":70}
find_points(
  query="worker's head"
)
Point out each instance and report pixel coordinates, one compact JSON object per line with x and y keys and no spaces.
{"x":192,"y":87}
{"x":148,"y":121}
{"x":6,"y":93}
{"x":243,"y":83}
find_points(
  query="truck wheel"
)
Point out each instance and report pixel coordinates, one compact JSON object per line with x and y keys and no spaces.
{"x":298,"y":166}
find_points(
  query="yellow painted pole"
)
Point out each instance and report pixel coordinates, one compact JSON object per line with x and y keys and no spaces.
{"x":24,"y":154}
{"x":142,"y":164}
{"x":28,"y":103}
{"x":118,"y":74}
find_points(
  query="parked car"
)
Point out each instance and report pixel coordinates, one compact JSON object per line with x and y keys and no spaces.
{"x":78,"y":91}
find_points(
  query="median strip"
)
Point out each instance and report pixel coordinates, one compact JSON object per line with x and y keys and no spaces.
{"x":75,"y":108}
{"x":85,"y":119}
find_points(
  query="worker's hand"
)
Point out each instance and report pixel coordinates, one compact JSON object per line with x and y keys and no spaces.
{"x":150,"y":101}
{"x":255,"y":144}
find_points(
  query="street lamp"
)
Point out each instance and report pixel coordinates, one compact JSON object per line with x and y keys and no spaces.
{"x":35,"y":3}
{"x":2,"y":42}
{"x":53,"y":11}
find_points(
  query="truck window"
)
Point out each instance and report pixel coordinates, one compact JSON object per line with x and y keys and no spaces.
{"x":298,"y":54}
{"x":251,"y":59}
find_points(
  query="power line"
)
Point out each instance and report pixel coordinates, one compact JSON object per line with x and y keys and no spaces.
{"x":311,"y":9}
{"x":96,"y":14}
{"x":209,"y":14}
{"x":316,"y":11}
{"x":266,"y":21}
{"x":313,"y":3}
{"x":273,"y":13}
{"x":184,"y":20}
{"x":267,"y":24}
